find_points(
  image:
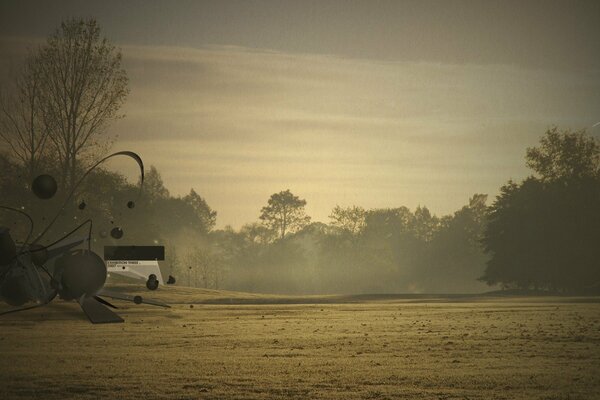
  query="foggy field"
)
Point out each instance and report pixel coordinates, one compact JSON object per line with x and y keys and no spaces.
{"x":331,"y":347}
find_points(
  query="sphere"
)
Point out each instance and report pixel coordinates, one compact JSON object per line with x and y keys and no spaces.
{"x":152,"y":284}
{"x":82,"y":205}
{"x":44,"y":187}
{"x":116,"y":233}
{"x":130,"y":204}
{"x":82,"y":272}
{"x":138,"y":299}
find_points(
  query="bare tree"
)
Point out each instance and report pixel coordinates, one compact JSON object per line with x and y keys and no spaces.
{"x":207,"y":267}
{"x":81,"y":88}
{"x":200,"y":261}
{"x":21,"y":124}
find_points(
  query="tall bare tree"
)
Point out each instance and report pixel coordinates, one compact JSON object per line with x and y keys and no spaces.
{"x":21,"y":124}
{"x":82,"y":86}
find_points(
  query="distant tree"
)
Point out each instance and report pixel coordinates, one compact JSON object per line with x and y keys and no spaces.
{"x":544,"y":232}
{"x":284,"y":213}
{"x":351,"y":219}
{"x":387,"y":223}
{"x":81,"y":86}
{"x":154,"y":186}
{"x":174,"y":262}
{"x":202,"y":210}
{"x":565,"y":154}
{"x":424,"y":225}
{"x":206,"y":268}
{"x":454,"y":257}
{"x":390,"y":243}
{"x":199,"y":262}
{"x":257,"y":233}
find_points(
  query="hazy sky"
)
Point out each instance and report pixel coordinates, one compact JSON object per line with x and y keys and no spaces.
{"x":378,"y":104}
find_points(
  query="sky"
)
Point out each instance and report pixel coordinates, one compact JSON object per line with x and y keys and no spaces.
{"x":371,"y":103}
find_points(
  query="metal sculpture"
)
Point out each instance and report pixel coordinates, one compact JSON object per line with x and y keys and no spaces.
{"x":31,"y":272}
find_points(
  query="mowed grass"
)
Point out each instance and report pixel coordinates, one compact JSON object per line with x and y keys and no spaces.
{"x":332,"y":348}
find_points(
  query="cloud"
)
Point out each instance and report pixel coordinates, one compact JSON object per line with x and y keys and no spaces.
{"x":239,"y":124}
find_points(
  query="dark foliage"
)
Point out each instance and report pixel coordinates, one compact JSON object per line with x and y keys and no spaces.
{"x":544,"y":233}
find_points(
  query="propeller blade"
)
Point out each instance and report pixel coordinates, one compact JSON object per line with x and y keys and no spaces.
{"x":105,"y":302}
{"x":134,"y":299}
{"x":96,"y":312}
{"x":22,"y":309}
{"x":63,"y":246}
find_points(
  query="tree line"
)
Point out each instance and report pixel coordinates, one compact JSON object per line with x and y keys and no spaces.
{"x":542,"y":233}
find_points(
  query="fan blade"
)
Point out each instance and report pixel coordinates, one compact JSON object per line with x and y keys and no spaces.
{"x":134,"y":299}
{"x":62,"y":247}
{"x":96,"y":312}
{"x":22,"y":309}
{"x":105,"y":302}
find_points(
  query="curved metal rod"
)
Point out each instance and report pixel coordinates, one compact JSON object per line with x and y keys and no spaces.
{"x":29,"y":251}
{"x":30,"y":223}
{"x":131,"y":154}
{"x":21,"y":251}
{"x":70,"y":233}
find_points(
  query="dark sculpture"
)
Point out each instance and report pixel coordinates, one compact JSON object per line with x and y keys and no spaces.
{"x":31,"y":272}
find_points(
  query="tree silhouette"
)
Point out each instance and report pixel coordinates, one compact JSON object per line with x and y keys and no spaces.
{"x":21,"y":120}
{"x":154,"y":188}
{"x":544,"y":232}
{"x":81,"y":88}
{"x":350,"y":219}
{"x":202,"y":210}
{"x":284,"y":213}
{"x":565,"y":154}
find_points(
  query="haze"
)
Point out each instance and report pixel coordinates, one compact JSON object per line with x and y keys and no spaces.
{"x":379,"y":104}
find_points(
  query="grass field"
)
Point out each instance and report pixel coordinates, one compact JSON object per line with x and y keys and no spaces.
{"x":224,"y":345}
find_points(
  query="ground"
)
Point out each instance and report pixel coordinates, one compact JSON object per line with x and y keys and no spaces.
{"x":224,"y":345}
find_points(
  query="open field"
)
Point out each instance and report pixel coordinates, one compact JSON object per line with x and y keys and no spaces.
{"x":367,"y":347}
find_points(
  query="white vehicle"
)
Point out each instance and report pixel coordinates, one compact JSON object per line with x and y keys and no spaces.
{"x":139,"y":262}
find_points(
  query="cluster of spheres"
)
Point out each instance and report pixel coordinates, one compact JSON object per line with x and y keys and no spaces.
{"x":79,"y":272}
{"x":45,"y":187}
{"x":74,"y":274}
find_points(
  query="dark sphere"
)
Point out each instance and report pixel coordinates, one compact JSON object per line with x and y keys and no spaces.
{"x":82,"y":272}
{"x":39,"y":254}
{"x":138,"y":299}
{"x":116,"y":233}
{"x":82,"y":205}
{"x":130,"y":204}
{"x":152,"y":284}
{"x":44,"y":187}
